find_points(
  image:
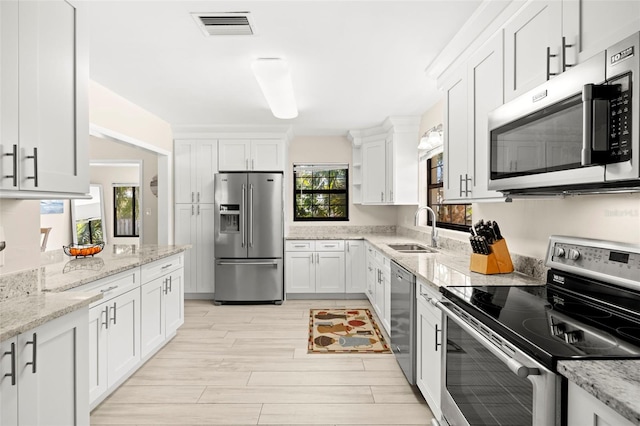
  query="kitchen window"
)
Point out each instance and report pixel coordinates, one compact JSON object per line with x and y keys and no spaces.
{"x":449,"y":216}
{"x":126,"y":211}
{"x":321,"y":192}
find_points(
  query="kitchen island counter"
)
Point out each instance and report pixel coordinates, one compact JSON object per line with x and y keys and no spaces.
{"x":615,"y":383}
{"x":34,"y":297}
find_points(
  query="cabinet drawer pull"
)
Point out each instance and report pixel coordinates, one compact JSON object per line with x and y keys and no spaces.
{"x":167,"y":266}
{"x":329,"y":245}
{"x":14,"y":161}
{"x":34,"y":353}
{"x":35,"y":167}
{"x":300,"y":245}
{"x":12,"y":352}
{"x":104,"y":290}
{"x":115,"y":311}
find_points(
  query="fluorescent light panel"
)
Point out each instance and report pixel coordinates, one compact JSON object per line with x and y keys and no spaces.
{"x":274,"y":78}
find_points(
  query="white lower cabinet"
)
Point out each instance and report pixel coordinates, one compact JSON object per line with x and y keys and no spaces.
{"x":131,"y":322}
{"x":315,"y":266}
{"x":43,"y":374}
{"x":585,"y":409}
{"x":429,"y":348}
{"x":355,"y":267}
{"x":378,"y":271}
{"x":162,"y":302}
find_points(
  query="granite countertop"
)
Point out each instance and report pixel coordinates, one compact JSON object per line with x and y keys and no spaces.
{"x":60,"y":272}
{"x":444,"y":268}
{"x":615,"y":383}
{"x":20,"y":314}
{"x":31,"y":298}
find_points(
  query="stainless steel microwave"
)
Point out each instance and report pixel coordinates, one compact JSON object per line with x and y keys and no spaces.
{"x":578,"y":132}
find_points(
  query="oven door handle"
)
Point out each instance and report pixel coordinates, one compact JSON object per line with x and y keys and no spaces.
{"x":516,"y":367}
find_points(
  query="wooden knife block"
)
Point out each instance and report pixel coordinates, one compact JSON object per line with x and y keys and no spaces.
{"x":496,"y":262}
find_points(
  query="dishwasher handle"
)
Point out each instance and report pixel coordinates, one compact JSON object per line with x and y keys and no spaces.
{"x":515,"y":366}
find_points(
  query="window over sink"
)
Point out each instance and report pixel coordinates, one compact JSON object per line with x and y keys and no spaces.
{"x":449,"y":216}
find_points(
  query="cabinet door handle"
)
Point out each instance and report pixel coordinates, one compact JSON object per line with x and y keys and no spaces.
{"x":14,"y":161}
{"x":165,"y":286}
{"x":35,"y":167}
{"x":467,"y":191}
{"x":460,"y":186}
{"x":564,"y":54}
{"x":318,"y":258}
{"x":115,"y":311}
{"x":390,"y":195}
{"x":246,"y":164}
{"x":193,"y":211}
{"x":12,"y":352}
{"x":198,"y":209}
{"x":106,"y":317}
{"x":170,"y":283}
{"x":34,"y":353}
{"x":381,"y":196}
{"x":549,"y":56}
{"x":192,"y":196}
{"x":253,"y":164}
{"x":436,"y":338}
{"x":198,"y":198}
{"x":348,"y":247}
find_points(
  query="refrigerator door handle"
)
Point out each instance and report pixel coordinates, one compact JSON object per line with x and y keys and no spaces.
{"x":250,"y":215}
{"x":270,"y":263}
{"x":242,"y":220}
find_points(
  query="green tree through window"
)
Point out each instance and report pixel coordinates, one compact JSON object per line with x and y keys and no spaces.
{"x":320,"y":193}
{"x":126,"y":216}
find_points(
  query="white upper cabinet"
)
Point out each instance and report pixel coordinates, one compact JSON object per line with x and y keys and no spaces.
{"x":533,"y":44}
{"x":388,"y":172}
{"x":251,"y":155}
{"x":373,"y":172}
{"x":590,"y":26}
{"x":44,"y":122}
{"x":456,"y":181}
{"x":196,"y":163}
{"x":485,"y":76}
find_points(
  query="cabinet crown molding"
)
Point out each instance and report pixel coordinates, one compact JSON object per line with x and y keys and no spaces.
{"x":391,"y":125}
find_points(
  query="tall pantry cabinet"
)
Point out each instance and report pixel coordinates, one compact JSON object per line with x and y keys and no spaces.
{"x":196,"y":163}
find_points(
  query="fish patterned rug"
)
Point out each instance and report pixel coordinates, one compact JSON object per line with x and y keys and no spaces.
{"x":344,"y":331}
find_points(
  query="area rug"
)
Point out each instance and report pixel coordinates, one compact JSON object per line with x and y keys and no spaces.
{"x":344,"y":331}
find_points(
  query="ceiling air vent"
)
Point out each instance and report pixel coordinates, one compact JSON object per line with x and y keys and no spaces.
{"x":224,"y":23}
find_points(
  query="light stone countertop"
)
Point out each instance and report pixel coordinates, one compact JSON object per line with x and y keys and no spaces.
{"x":31,"y":298}
{"x":20,"y":314}
{"x":446,"y":268}
{"x":615,"y":383}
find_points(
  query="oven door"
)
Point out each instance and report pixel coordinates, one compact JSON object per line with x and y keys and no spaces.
{"x":487,"y":381}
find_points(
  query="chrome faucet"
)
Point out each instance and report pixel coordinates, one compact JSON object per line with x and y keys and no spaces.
{"x":434,"y":230}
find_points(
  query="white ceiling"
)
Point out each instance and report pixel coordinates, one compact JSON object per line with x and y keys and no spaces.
{"x":354,"y":63}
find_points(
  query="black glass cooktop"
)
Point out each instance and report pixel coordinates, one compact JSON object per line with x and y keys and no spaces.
{"x":551,"y":323}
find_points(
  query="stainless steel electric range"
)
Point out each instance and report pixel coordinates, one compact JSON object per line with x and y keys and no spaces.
{"x":503,"y":343}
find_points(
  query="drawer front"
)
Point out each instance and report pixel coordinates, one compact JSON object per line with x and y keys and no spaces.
{"x":330,"y":245}
{"x":300,"y":245}
{"x":113,"y":286}
{"x":153,"y":270}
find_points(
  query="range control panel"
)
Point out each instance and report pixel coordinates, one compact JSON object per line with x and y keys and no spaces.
{"x":616,"y":263}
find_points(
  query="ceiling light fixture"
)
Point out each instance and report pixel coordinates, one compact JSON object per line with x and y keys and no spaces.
{"x":432,"y":141}
{"x":274,"y":78}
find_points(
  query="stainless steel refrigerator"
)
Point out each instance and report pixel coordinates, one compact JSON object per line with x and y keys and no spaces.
{"x":249,"y":237}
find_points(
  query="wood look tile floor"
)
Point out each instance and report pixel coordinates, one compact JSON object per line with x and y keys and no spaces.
{"x":248,"y":365}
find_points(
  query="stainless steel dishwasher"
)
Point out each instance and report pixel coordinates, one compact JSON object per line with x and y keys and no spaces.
{"x":403,"y":320}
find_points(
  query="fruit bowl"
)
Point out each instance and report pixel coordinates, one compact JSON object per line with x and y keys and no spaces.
{"x":82,"y":250}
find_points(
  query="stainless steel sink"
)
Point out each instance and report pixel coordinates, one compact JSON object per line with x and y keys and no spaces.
{"x":411,"y":248}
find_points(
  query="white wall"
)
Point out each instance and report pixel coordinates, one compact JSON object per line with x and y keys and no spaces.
{"x":331,"y":149}
{"x":60,"y":224}
{"x":20,"y":221}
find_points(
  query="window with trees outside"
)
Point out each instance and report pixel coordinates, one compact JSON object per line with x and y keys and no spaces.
{"x":126,"y":211}
{"x":450,"y":216}
{"x":321,"y":192}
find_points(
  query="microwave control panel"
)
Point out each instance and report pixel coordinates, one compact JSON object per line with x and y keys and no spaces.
{"x":620,"y":121}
